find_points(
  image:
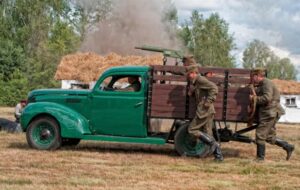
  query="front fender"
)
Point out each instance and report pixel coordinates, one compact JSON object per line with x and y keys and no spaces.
{"x":72,"y":124}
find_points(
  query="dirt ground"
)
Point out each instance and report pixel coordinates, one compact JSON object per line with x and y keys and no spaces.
{"x":100,"y":165}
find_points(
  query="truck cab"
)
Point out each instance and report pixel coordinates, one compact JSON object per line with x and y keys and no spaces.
{"x":116,"y":111}
{"x":109,"y":111}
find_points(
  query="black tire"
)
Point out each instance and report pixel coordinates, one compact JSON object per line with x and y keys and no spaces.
{"x":70,"y":141}
{"x":185,"y":146}
{"x":43,"y":133}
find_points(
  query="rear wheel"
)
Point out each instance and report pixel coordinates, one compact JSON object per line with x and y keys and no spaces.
{"x":186,"y":146}
{"x":43,"y":133}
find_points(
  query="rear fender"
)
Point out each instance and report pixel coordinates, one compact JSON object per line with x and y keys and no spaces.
{"x":72,"y":124}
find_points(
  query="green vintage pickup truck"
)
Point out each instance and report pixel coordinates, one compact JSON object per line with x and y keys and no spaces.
{"x":57,"y":117}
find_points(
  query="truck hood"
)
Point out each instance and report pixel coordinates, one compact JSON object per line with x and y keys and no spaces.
{"x":58,"y":92}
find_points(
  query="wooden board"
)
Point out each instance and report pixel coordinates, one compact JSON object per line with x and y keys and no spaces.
{"x":168,"y":98}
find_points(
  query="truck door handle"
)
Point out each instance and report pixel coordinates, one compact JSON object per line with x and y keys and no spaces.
{"x":138,"y":104}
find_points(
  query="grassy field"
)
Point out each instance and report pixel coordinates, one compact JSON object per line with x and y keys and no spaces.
{"x":99,"y":165}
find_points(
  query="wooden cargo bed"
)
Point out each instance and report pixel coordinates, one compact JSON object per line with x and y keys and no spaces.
{"x":168,"y":98}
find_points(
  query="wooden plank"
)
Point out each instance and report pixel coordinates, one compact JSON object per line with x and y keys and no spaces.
{"x":238,"y":96}
{"x":216,"y":80}
{"x":170,"y":78}
{"x":158,"y":93}
{"x":244,"y":90}
{"x":239,"y":80}
{"x":168,"y":68}
{"x":168,"y":108}
{"x":232,"y":105}
{"x":237,"y":111}
{"x":239,"y":71}
{"x":161,"y":114}
{"x":218,"y":117}
{"x":219,"y":105}
{"x":168,"y":99}
{"x":168,"y":86}
{"x":219,"y":97}
{"x":212,"y":69}
{"x":202,"y":69}
{"x":244,"y":75}
{"x":238,"y":118}
{"x":168,"y":90}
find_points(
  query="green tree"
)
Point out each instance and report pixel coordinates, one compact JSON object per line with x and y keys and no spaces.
{"x":13,"y":90}
{"x":11,"y":58}
{"x":34,"y":36}
{"x":208,"y":40}
{"x":88,"y":13}
{"x":256,"y":54}
{"x":272,"y":66}
{"x":281,"y":69}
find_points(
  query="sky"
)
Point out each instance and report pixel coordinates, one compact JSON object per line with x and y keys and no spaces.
{"x":275,"y":22}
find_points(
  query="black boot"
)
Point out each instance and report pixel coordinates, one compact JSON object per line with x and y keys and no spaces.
{"x":260,"y":152}
{"x":286,"y":146}
{"x":218,"y":154}
{"x":208,"y":140}
{"x":214,"y":147}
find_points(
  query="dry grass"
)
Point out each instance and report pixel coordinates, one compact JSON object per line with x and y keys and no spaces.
{"x":7,"y":112}
{"x":98,"y":165}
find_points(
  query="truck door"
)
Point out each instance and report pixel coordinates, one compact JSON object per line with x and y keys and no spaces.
{"x":118,"y":107}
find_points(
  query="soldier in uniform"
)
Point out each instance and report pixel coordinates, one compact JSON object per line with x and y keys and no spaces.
{"x":187,"y":61}
{"x":134,"y":84}
{"x":269,"y":112}
{"x":201,"y":126}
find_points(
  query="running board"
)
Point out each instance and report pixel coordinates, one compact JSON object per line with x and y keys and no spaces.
{"x":142,"y":140}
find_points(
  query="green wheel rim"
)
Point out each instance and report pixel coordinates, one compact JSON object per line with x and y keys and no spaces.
{"x":191,"y":148}
{"x":186,"y":146}
{"x":43,"y":134}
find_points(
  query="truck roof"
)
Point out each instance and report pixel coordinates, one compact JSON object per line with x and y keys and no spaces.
{"x":127,"y":69}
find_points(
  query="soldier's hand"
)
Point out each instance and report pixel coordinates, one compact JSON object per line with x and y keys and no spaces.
{"x":206,"y":104}
{"x":251,"y":97}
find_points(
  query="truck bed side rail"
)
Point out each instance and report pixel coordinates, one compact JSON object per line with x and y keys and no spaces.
{"x":168,"y":97}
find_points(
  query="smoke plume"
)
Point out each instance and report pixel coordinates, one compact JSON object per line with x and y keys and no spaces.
{"x":132,"y":23}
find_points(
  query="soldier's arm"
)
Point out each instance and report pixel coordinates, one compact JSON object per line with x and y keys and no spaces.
{"x":177,"y":71}
{"x":18,"y":110}
{"x":266,"y":97}
{"x":210,"y":87}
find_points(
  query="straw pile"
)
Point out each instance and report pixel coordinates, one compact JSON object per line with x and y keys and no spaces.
{"x":87,"y":67}
{"x":287,"y":86}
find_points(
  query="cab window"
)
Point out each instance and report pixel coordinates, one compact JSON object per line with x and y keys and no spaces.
{"x":122,"y":83}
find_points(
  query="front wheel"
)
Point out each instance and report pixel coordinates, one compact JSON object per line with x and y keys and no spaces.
{"x":186,"y":146}
{"x":43,"y":133}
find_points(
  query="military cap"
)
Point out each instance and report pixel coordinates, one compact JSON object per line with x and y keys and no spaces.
{"x":258,"y":71}
{"x":188,"y":60}
{"x":192,"y":68}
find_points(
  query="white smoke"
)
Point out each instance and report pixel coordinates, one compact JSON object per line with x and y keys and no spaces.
{"x":132,"y":23}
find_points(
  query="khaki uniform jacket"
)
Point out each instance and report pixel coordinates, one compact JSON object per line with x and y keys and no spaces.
{"x":268,"y":100}
{"x":205,"y":94}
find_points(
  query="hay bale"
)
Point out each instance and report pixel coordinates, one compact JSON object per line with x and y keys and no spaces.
{"x":87,"y":67}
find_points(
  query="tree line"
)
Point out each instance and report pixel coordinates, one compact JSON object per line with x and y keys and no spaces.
{"x":35,"y":35}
